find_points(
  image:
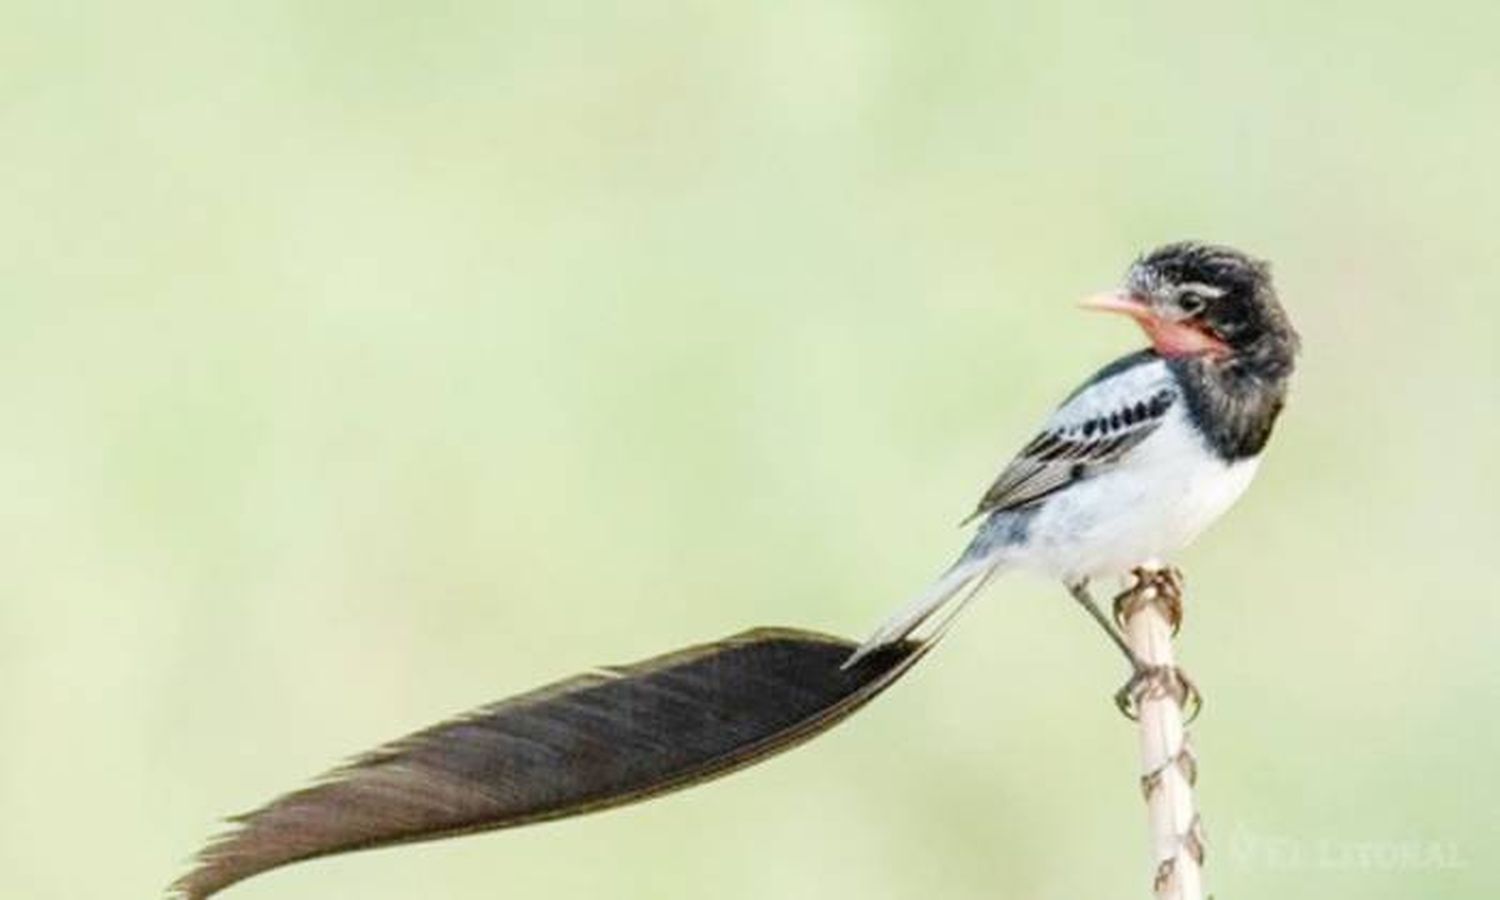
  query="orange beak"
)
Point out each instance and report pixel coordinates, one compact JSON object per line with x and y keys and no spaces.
{"x":1169,"y":338}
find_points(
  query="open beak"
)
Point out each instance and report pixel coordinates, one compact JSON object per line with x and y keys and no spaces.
{"x":1169,"y":338}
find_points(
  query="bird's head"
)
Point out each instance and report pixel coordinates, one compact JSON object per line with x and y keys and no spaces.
{"x":1202,"y":300}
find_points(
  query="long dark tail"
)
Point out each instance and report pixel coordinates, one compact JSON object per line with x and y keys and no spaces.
{"x":588,"y":743}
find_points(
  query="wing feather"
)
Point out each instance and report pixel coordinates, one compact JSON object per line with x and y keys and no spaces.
{"x":1092,"y":432}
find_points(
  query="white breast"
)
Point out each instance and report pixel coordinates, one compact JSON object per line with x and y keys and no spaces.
{"x":1161,"y":497}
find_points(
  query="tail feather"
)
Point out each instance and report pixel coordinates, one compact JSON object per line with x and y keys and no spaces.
{"x":595,"y":741}
{"x":925,"y":605}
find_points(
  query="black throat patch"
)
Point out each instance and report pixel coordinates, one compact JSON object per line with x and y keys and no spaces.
{"x":1234,"y":407}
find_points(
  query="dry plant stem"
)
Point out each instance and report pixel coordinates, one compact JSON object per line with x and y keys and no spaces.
{"x":1150,"y":610}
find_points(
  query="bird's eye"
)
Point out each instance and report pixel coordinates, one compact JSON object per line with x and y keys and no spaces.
{"x":1191,"y":303}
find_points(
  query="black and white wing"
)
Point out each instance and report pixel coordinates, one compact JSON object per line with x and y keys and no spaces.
{"x":1092,"y":431}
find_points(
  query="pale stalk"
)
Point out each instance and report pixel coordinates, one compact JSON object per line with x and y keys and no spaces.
{"x":1168,"y":766}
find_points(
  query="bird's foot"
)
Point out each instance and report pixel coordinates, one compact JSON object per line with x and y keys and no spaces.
{"x":1153,"y":682}
{"x":1161,"y":588}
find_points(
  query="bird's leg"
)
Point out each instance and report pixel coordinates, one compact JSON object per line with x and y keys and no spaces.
{"x":1080,"y":591}
{"x":1146,"y":680}
{"x":1161,"y":588}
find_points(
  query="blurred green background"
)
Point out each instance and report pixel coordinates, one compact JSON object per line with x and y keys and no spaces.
{"x":364,"y":363}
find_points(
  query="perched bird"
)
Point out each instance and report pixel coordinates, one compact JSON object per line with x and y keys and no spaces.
{"x":1135,"y":463}
{"x":1146,"y":453}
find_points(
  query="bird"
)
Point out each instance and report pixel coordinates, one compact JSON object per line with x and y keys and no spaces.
{"x":1132,"y":466}
{"x":1145,"y":454}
